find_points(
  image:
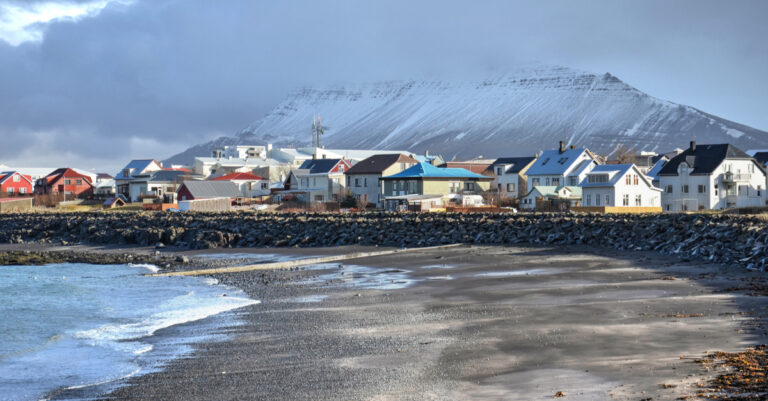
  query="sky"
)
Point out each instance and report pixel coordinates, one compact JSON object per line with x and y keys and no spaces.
{"x":94,"y":83}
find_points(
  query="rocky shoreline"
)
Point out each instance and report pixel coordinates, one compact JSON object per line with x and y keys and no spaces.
{"x":728,"y":239}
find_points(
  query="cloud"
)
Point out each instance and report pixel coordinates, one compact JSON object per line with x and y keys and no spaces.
{"x":149,"y":77}
{"x":26,"y":21}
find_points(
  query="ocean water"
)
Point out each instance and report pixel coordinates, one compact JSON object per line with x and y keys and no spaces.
{"x":75,"y":331}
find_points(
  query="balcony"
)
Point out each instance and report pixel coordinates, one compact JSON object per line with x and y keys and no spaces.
{"x":736,"y":177}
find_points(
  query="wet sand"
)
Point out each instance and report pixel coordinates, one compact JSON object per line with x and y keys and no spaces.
{"x":489,"y":323}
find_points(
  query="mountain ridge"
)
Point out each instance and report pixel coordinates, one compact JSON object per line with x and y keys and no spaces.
{"x":512,"y":114}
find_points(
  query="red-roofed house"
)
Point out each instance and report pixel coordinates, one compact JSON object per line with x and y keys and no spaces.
{"x":64,"y":181}
{"x":249,"y":184}
{"x":12,"y":183}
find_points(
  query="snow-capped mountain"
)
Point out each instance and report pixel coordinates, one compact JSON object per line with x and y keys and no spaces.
{"x":514,"y":114}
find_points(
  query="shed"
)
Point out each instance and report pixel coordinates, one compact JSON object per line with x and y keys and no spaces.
{"x":195,"y":190}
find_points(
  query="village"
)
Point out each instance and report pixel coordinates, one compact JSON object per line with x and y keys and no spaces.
{"x":264,"y":177}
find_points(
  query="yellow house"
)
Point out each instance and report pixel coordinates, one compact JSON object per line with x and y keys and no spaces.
{"x":425,"y":186}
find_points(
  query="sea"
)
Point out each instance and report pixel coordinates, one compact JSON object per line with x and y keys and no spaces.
{"x":77,"y":331}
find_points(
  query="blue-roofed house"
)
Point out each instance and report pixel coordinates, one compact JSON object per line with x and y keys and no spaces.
{"x":319,"y":180}
{"x":134,"y":169}
{"x":563,"y":166}
{"x":621,"y":186}
{"x":424,"y":183}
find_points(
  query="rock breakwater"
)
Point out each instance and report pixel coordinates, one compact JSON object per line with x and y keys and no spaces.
{"x":727,"y":239}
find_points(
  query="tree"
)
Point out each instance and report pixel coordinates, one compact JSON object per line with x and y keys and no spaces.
{"x":625,"y":154}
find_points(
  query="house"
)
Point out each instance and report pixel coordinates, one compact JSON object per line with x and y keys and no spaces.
{"x":319,"y":180}
{"x":65,"y":181}
{"x":509,"y":176}
{"x":715,"y":176}
{"x":422,"y":179}
{"x":241,"y":152}
{"x":130,"y":171}
{"x":561,"y":167}
{"x":250,"y":185}
{"x":550,"y":198}
{"x":762,"y":158}
{"x":36,"y":173}
{"x":363,"y":178}
{"x":622,"y":186}
{"x":13,"y":182}
{"x":434,"y":160}
{"x":199,"y":190}
{"x":104,"y":185}
{"x":159,"y":184}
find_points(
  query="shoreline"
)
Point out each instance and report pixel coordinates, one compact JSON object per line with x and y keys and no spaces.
{"x":440,"y":338}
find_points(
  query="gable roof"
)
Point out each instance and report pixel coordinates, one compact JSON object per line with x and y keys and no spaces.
{"x":426,"y":170}
{"x":705,"y":158}
{"x":552,"y":162}
{"x":66,"y":172}
{"x":137,"y":166}
{"x":319,"y":166}
{"x":479,"y":166}
{"x":615,"y":171}
{"x":239,"y":177}
{"x":6,"y":175}
{"x":516,"y":163}
{"x":376,"y":164}
{"x":167,"y":175}
{"x":211,"y":189}
{"x":551,"y":190}
{"x":761,"y":157}
{"x":653,"y":173}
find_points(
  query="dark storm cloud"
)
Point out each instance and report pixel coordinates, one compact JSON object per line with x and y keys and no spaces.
{"x":149,"y":78}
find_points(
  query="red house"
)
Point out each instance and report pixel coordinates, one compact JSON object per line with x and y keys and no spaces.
{"x":64,"y":181}
{"x":12,"y":183}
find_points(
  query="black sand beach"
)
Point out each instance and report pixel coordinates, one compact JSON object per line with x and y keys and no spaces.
{"x":512,"y":323}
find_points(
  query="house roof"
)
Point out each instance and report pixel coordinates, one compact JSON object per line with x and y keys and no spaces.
{"x":426,"y":170}
{"x":239,"y":177}
{"x":6,"y":175}
{"x":551,"y":190}
{"x":515,"y":163}
{"x":552,"y":162}
{"x":653,"y":173}
{"x":761,"y":157}
{"x":705,"y":158}
{"x":66,"y":172}
{"x":479,"y":166}
{"x":211,"y":189}
{"x":376,"y":164}
{"x":319,"y":166}
{"x":103,"y":176}
{"x":615,"y":171}
{"x":135,"y":165}
{"x":167,"y":175}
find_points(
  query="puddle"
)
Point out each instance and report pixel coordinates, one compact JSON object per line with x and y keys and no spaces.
{"x":440,"y":278}
{"x":361,"y":277}
{"x":442,"y":266}
{"x":513,"y":273}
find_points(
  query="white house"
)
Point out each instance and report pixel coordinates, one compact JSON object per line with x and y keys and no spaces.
{"x":561,"y":196}
{"x":242,"y":152}
{"x":158,"y":184}
{"x":250,"y":185}
{"x":712,"y":177}
{"x":509,"y":176}
{"x":619,"y":185}
{"x":319,"y":180}
{"x":133,"y":169}
{"x":561,"y":167}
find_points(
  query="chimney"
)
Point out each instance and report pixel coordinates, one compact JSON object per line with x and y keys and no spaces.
{"x":693,"y":146}
{"x":573,"y":146}
{"x":562,"y":147}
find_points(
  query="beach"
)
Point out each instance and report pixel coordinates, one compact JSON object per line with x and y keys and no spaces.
{"x":470,"y":322}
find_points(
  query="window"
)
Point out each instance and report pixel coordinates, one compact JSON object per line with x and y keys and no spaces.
{"x":545,"y":161}
{"x":314,"y":181}
{"x":454,"y":187}
{"x":499,"y":170}
{"x":628,"y":180}
{"x":469,"y":186}
{"x":264,"y":185}
{"x":685,"y":188}
{"x":597,"y":200}
{"x":23,"y":190}
{"x":556,"y":181}
{"x":365,"y":182}
{"x":16,"y":178}
{"x":412,"y":187}
{"x":10,"y":190}
{"x":666,"y":206}
{"x":546,"y":180}
{"x":573,"y":180}
{"x":607,"y":200}
{"x":394,"y":186}
{"x":78,"y":182}
{"x":597,"y":178}
{"x":319,"y":198}
{"x":759,"y":190}
{"x":510,"y":187}
{"x":702,"y":189}
{"x":357,"y":182}
{"x":341,"y":168}
{"x":535,"y":181}
{"x":67,"y":182}
{"x":669,"y":189}
{"x":638,"y":200}
{"x":589,"y":200}
{"x":625,"y":200}
{"x":716,"y":191}
{"x":635,"y":179}
{"x":743,"y":190}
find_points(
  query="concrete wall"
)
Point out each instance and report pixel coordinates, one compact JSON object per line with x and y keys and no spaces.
{"x":11,"y":205}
